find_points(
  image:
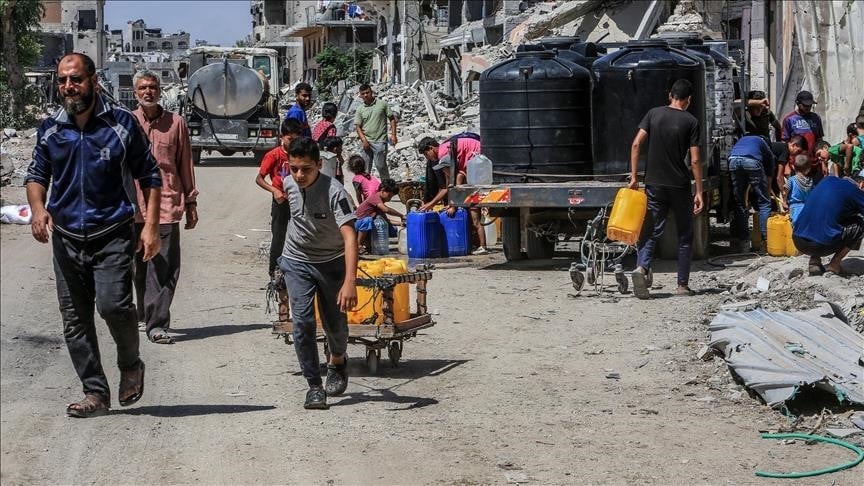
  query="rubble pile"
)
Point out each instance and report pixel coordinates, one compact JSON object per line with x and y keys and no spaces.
{"x":782,"y":285}
{"x":17,"y":152}
{"x":423,"y":110}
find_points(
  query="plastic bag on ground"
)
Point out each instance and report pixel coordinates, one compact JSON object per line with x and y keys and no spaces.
{"x":15,"y":214}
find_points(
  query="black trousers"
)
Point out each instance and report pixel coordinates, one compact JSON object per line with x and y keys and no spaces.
{"x":304,"y":281}
{"x":279,"y":216}
{"x":97,"y":275}
{"x":156,"y":280}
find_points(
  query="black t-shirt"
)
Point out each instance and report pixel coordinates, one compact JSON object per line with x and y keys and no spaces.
{"x":435,"y":181}
{"x":671,"y":133}
{"x":781,"y":153}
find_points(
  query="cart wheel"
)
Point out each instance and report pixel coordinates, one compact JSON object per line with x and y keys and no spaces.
{"x":590,"y":276}
{"x":372,"y":358}
{"x":394,"y":351}
{"x":622,"y":282}
{"x":578,"y":279}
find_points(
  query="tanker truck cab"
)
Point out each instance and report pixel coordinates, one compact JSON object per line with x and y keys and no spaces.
{"x":231,"y":103}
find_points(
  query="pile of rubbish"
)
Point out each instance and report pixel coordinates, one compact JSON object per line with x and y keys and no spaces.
{"x":422,"y":110}
{"x":17,"y":152}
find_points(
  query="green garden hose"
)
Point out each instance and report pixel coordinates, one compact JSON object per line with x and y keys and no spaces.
{"x":817,"y":472}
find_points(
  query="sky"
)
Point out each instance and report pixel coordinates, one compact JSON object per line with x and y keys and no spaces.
{"x":220,"y":22}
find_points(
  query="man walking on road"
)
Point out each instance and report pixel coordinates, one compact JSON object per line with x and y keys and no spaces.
{"x":371,"y":121}
{"x":672,"y":134}
{"x":88,"y":153}
{"x":156,"y":280}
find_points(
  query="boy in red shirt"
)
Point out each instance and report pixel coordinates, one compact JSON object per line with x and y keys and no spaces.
{"x":273,"y":165}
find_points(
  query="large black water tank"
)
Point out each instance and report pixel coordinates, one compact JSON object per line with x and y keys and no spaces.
{"x":535,"y":117}
{"x":629,"y":82}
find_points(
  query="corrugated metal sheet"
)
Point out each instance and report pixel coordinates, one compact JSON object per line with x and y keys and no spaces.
{"x":830,"y":37}
{"x":775,"y":353}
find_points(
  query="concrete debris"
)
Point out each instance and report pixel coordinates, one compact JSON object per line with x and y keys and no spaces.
{"x":705,"y":353}
{"x":685,"y":18}
{"x":422,"y":110}
{"x":740,"y":306}
{"x":763,"y":284}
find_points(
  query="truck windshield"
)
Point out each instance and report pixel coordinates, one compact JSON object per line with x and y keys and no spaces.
{"x":262,"y":63}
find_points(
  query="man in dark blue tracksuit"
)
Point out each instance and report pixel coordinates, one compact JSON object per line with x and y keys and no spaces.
{"x":88,"y":154}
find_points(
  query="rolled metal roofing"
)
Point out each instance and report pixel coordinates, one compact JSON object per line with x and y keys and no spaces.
{"x":776,"y":353}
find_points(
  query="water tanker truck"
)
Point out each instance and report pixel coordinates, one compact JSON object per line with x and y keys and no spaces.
{"x":231,"y":102}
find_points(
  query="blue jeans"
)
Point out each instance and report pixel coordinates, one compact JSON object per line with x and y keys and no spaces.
{"x":661,"y":200}
{"x":304,"y":281}
{"x":746,"y":171}
{"x":377,"y":156}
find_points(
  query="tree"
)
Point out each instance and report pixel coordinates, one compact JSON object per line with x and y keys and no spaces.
{"x":334,"y":65}
{"x":20,"y":47}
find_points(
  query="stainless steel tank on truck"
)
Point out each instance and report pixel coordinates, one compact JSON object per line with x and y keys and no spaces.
{"x":231,"y":102}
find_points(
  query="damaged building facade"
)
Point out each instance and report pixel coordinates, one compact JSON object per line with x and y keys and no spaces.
{"x":788,"y":45}
{"x":269,"y":20}
{"x":73,"y":26}
{"x":137,"y":37}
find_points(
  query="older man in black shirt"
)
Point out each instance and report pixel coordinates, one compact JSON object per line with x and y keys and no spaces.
{"x":672,"y":134}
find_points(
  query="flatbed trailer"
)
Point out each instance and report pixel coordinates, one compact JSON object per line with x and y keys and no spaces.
{"x":535,"y":215}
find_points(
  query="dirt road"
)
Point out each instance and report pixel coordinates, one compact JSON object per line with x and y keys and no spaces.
{"x":515,"y":383}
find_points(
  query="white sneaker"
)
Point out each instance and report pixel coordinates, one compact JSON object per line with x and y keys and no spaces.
{"x":480,"y":251}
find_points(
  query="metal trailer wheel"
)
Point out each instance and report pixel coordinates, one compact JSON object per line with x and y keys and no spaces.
{"x":622,"y":282}
{"x":539,"y":247}
{"x":394,"y":352}
{"x":578,"y":279}
{"x":196,"y":156}
{"x":373,"y":356}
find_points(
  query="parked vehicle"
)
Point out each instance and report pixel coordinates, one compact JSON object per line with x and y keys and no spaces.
{"x":559,"y":136}
{"x":232,"y":100}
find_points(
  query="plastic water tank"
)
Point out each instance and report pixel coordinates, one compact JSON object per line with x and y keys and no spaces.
{"x":535,"y":117}
{"x":629,"y":82}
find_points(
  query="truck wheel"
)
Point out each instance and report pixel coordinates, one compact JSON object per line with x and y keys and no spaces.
{"x":258,"y":156}
{"x":539,"y":247}
{"x":196,"y":156}
{"x":510,"y":238}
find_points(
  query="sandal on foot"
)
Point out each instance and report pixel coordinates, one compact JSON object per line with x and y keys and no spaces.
{"x":159,"y":336}
{"x":91,"y":406}
{"x":131,"y":380}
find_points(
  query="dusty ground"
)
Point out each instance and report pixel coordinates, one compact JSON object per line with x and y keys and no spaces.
{"x":510,"y":386}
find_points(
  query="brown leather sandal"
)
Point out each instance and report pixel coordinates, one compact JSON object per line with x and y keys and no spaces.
{"x":91,"y":406}
{"x":131,"y":381}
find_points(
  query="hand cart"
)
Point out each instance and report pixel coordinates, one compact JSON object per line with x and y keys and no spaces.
{"x":389,"y":334}
{"x":600,"y":255}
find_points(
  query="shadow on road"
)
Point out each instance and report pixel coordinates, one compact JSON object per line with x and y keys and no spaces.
{"x":192,"y":410}
{"x":408,"y":368}
{"x":384,"y":395}
{"x":221,"y":161}
{"x":214,"y":331}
